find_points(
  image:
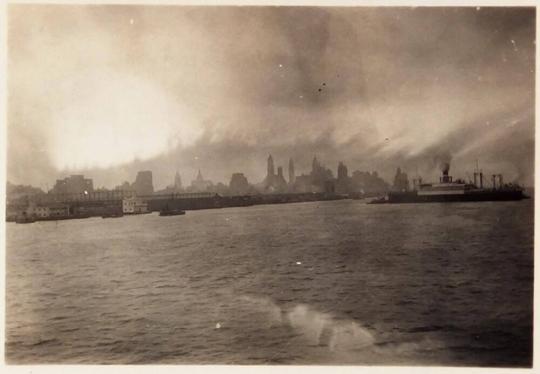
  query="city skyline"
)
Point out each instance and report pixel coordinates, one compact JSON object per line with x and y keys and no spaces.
{"x":301,"y":186}
{"x":167,"y":88}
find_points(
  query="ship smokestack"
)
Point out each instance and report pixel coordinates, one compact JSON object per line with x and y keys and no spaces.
{"x":445,"y":169}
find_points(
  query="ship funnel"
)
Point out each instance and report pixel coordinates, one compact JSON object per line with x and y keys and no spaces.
{"x":445,"y":168}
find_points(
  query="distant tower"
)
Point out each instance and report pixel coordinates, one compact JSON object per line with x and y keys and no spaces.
{"x":292,"y":177}
{"x":199,"y":176}
{"x":270,"y":168}
{"x":342,"y":172}
{"x":177,"y":181}
{"x":315,"y":164}
{"x":143,"y":183}
{"x":280,"y":172}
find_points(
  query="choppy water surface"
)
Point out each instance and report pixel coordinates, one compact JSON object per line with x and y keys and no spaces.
{"x":311,"y":283}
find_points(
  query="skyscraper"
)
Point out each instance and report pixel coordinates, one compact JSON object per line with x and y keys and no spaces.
{"x":270,"y":167}
{"x":177,"y":181}
{"x":292,"y":177}
{"x":239,"y":184}
{"x":315,"y":165}
{"x":143,"y":183}
{"x":342,"y":172}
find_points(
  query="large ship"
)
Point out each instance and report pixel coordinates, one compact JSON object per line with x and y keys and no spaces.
{"x":448,"y":190}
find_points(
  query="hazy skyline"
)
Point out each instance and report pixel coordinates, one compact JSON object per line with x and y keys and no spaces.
{"x":108,"y":90}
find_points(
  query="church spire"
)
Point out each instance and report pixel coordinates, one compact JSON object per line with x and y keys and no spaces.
{"x":199,"y":176}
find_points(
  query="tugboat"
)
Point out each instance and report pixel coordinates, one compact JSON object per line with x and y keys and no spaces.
{"x":167,"y":211}
{"x":448,"y":190}
{"x":25,"y":218}
{"x":113,"y":214}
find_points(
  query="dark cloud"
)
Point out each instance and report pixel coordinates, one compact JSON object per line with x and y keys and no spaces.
{"x":218,"y":88}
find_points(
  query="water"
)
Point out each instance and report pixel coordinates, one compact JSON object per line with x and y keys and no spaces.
{"x":312,"y":283}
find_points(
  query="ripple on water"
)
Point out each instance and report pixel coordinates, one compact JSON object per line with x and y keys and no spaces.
{"x":325,"y":283}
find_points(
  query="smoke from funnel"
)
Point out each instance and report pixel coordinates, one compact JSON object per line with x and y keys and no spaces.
{"x":442,"y":161}
{"x":445,"y":167}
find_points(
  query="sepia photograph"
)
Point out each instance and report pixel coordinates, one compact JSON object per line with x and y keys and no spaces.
{"x":269,"y":185}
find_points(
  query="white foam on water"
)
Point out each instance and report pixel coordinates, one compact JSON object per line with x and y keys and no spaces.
{"x":323,"y":329}
{"x":317,"y":328}
{"x":344,"y":340}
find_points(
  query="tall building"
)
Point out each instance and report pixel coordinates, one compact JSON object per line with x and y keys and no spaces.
{"x":319,"y":176}
{"x":292,"y":177}
{"x":342,"y":172}
{"x":270,"y":167}
{"x":274,"y":182}
{"x":200,"y":184}
{"x":74,"y":184}
{"x":343,"y":181}
{"x":177,"y":181}
{"x":239,"y":184}
{"x":315,"y":165}
{"x":143,"y":184}
{"x":280,"y":181}
{"x":401,"y":181}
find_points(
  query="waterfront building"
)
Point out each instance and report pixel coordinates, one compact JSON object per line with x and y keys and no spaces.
{"x":18,"y":192}
{"x":58,"y":210}
{"x":49,"y":210}
{"x":134,"y":205}
{"x":368,"y":183}
{"x":74,"y":184}
{"x":42,"y":211}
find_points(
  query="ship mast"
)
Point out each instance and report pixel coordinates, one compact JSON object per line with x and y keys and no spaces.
{"x":478,"y":173}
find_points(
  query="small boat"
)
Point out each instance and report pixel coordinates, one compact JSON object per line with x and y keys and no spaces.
{"x":171,"y":212}
{"x":25,"y":219}
{"x":112,"y":215}
{"x":379,"y":200}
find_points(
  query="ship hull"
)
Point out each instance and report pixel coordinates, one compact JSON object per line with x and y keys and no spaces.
{"x":413,"y":197}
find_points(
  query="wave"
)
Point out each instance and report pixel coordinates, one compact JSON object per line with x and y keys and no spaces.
{"x":317,"y":328}
{"x":344,"y":339}
{"x":323,"y":329}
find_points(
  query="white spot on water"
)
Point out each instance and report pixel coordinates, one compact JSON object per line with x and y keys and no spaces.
{"x":298,"y":263}
{"x":280,"y":65}
{"x":218,"y":325}
{"x":131,"y":21}
{"x":514,"y":44}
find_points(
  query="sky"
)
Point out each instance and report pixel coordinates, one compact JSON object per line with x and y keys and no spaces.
{"x":107,"y":90}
